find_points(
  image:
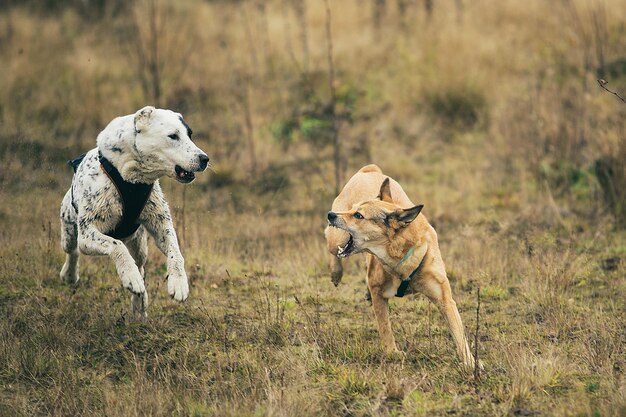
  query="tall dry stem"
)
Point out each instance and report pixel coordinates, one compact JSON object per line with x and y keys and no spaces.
{"x":301,"y":14}
{"x":476,"y":359}
{"x":333,"y":101}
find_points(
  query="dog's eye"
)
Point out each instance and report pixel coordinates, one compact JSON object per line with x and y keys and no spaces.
{"x":358,"y":215}
{"x":173,"y":136}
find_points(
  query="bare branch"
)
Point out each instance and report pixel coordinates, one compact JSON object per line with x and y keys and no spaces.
{"x":602,"y":83}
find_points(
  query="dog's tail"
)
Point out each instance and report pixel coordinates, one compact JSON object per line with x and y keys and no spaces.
{"x":370,"y":168}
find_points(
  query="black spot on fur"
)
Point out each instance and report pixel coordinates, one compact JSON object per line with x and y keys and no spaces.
{"x":189,"y":131}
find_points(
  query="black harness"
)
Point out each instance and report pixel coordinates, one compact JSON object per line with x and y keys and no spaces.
{"x":134,"y":197}
{"x":404,"y":284}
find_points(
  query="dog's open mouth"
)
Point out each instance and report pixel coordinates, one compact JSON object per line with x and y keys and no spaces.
{"x":347,"y":249}
{"x":183,"y":176}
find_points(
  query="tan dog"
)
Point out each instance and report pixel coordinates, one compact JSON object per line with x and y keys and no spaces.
{"x":373,"y":214}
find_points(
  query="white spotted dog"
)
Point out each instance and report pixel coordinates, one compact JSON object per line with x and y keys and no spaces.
{"x":115,"y":198}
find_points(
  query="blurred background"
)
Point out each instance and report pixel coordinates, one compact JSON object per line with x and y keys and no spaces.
{"x":511,"y":85}
{"x":487,"y":112}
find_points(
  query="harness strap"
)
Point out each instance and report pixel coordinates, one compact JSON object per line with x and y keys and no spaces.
{"x":407,"y":256}
{"x":404,"y":284}
{"x":134,"y":198}
{"x":74,"y":163}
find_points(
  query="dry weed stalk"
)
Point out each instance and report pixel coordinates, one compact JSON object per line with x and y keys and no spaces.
{"x":287,"y":31}
{"x":476,"y":359}
{"x":333,"y":101}
{"x":301,"y":13}
{"x":430,"y":335}
{"x":254,"y":61}
{"x":247,"y":111}
{"x":146,"y":47}
{"x":183,"y":229}
{"x":601,"y":35}
{"x":312,"y":323}
{"x":159,"y":54}
{"x":592,"y":40}
{"x":378,"y":14}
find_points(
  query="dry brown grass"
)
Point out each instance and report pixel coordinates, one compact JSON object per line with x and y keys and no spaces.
{"x":491,"y":118}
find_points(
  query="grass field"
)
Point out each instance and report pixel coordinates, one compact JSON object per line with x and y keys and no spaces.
{"x":486,"y":112}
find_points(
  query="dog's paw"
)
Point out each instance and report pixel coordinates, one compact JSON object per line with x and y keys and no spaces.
{"x":396,"y":355}
{"x":335,"y":277}
{"x":132,"y":280}
{"x":69,"y":276}
{"x":178,"y":287}
{"x":468,"y":366}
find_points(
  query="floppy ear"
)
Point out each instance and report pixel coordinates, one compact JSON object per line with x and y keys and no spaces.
{"x":403,"y":217}
{"x":385,"y":191}
{"x":143,"y":118}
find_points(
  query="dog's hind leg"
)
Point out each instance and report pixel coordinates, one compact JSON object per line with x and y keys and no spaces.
{"x":138,"y":249}
{"x":335,"y":238}
{"x":437,"y":288}
{"x":69,"y":241}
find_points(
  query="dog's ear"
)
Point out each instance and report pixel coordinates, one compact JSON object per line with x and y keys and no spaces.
{"x":385,"y":191}
{"x":403,"y":217}
{"x":143,"y":118}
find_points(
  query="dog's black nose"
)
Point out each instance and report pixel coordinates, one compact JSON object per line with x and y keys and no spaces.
{"x":332,"y":216}
{"x":204,"y":161}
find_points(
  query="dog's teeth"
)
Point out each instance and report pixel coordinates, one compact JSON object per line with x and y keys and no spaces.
{"x":341,"y":249}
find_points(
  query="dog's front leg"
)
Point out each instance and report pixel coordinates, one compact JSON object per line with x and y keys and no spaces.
{"x":93,"y":242}
{"x":376,"y":280}
{"x":381,"y":312}
{"x":162,"y":230}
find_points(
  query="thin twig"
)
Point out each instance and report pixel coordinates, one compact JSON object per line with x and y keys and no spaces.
{"x":430,"y":339}
{"x":247,"y":107}
{"x":333,"y":99}
{"x":602,"y":83}
{"x":182,"y":216}
{"x":287,"y":31}
{"x":310,"y":320}
{"x":476,"y":359}
{"x":300,"y":8}
{"x":252,"y":50}
{"x":554,"y":207}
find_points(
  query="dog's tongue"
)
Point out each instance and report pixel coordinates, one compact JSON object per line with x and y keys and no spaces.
{"x":182,"y":173}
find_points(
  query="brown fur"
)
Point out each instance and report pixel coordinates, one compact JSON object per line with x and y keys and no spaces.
{"x":390,"y":227}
